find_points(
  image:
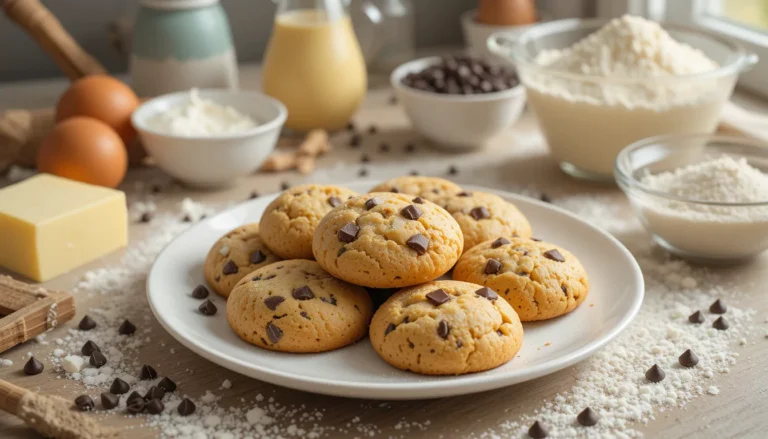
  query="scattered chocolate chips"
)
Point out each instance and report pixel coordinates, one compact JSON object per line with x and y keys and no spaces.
{"x":334,"y":201}
{"x":418,"y":242}
{"x":167,"y":384}
{"x":461,"y":74}
{"x":372,"y":202}
{"x":443,"y":329}
{"x":126,"y":328}
{"x":154,"y":392}
{"x":372,"y":129}
{"x":33,"y":366}
{"x":365,"y":158}
{"x":186,"y":218}
{"x":391,"y":327}
{"x":393,"y":100}
{"x":362,"y":172}
{"x":119,"y":387}
{"x":718,"y":307}
{"x":354,"y":141}
{"x":696,"y":317}
{"x":410,"y":147}
{"x":721,"y":324}
{"x":272,"y":302}
{"x":156,"y":189}
{"x":207,"y":308}
{"x":305,"y":315}
{"x":554,"y":255}
{"x":688,"y":359}
{"x":348,"y":232}
{"x":418,"y":200}
{"x":487,"y":293}
{"x":229,"y":268}
{"x":89,"y":347}
{"x":411,"y":212}
{"x":135,"y":406}
{"x":564,"y":289}
{"x":186,"y":407}
{"x":155,"y":407}
{"x":384,"y":147}
{"x":274,"y":333}
{"x":395,"y":190}
{"x":538,"y":430}
{"x":97,"y":359}
{"x":479,"y":213}
{"x":464,"y":194}
{"x":253,"y":195}
{"x":453,"y":170}
{"x":285,"y":186}
{"x":493,"y":266}
{"x":545,"y":198}
{"x":655,"y":374}
{"x":535,"y":239}
{"x":87,"y":323}
{"x":257,"y":257}
{"x":109,"y":400}
{"x":148,"y":372}
{"x":499,"y":242}
{"x":146,"y":217}
{"x":413,"y":173}
{"x":84,"y":403}
{"x":303,"y":293}
{"x":134,"y":396}
{"x":438,"y":297}
{"x":351,"y":126}
{"x":588,"y":417}
{"x":200,"y":292}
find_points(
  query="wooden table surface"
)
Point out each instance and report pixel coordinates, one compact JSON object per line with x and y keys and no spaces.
{"x":516,"y":161}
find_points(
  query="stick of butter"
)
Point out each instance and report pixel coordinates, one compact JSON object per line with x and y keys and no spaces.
{"x":50,"y":225}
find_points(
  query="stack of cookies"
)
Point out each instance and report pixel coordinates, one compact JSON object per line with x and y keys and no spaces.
{"x":303,"y":279}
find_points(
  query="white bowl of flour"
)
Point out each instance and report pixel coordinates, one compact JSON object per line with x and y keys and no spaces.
{"x":701,"y":196}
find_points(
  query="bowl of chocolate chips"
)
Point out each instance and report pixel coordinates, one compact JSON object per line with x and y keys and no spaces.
{"x":458,"y":102}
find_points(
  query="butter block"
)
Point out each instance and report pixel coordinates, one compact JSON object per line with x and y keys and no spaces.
{"x":50,"y":225}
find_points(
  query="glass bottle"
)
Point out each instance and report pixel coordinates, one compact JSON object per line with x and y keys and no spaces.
{"x":386,"y":30}
{"x":314,"y":65}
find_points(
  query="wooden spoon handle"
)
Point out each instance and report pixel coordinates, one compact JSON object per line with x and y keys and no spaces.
{"x":44,"y":28}
{"x":10,"y":395}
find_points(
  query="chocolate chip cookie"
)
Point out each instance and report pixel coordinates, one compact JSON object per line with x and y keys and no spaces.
{"x":484,"y":216}
{"x":540,"y":280}
{"x":234,"y":255}
{"x":288,"y":223}
{"x":446,"y":328}
{"x":387,"y":240}
{"x":296,"y":306}
{"x":429,"y":188}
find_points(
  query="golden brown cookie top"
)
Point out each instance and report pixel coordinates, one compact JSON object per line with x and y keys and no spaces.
{"x":429,"y":188}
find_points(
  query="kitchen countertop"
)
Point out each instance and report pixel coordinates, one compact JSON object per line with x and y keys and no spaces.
{"x":518,"y":162}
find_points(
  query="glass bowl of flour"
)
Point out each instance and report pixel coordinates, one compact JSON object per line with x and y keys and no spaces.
{"x":701,"y":196}
{"x":598,"y":85}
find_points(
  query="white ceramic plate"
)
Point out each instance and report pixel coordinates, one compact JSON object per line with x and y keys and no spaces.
{"x":356,"y":371}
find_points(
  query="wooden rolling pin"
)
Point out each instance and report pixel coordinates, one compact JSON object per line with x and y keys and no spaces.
{"x":44,"y":28}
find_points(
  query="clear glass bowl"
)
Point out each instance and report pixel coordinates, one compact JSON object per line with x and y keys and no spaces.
{"x":694,"y":228}
{"x":588,"y":119}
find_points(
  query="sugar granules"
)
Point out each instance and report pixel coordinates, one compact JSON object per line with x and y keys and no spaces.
{"x":611,"y":382}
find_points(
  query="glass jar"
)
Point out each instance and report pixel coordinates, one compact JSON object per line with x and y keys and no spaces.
{"x":386,"y":30}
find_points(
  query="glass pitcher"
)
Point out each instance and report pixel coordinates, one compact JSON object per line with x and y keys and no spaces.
{"x":314,"y":65}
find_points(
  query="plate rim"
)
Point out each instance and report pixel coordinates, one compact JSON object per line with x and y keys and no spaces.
{"x":437,"y":388}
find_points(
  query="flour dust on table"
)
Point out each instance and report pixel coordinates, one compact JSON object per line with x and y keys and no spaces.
{"x":612,"y":384}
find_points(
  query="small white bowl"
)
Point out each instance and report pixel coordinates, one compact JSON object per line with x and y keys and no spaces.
{"x":211,"y":161}
{"x":457,"y":122}
{"x":476,"y":35}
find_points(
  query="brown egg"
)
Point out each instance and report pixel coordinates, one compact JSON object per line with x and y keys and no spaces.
{"x":104,"y":98}
{"x":506,"y":12}
{"x":84,"y":149}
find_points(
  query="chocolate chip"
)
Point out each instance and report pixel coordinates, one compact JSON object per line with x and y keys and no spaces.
{"x":499,"y":242}
{"x":655,"y":374}
{"x":146,"y":217}
{"x":126,"y":328}
{"x":410,"y":212}
{"x":438,"y":297}
{"x":564,"y":289}
{"x":305,"y":315}
{"x":330,"y":300}
{"x":410,"y":147}
{"x":538,"y":431}
{"x":395,"y":190}
{"x":273,"y":302}
{"x":418,"y":200}
{"x":334,"y":201}
{"x":535,"y":239}
{"x":413,"y":173}
{"x":554,"y":255}
{"x":391,"y":327}
{"x":348,"y":232}
{"x":303,"y":293}
{"x":351,"y":126}
{"x":487,"y":293}
{"x":253,"y":195}
{"x":393,"y":100}
{"x":119,"y":387}
{"x":229,"y":268}
{"x":588,"y":417}
{"x":418,"y":242}
{"x":498,"y":331}
{"x":479,"y":213}
{"x":341,"y":251}
{"x":443,"y":329}
{"x":459,"y":344}
{"x":33,"y":367}
{"x":365,"y":158}
{"x":464,"y":194}
{"x":362,"y":172}
{"x":148,"y":372}
{"x":200,"y":292}
{"x":257,"y":257}
{"x":87,"y":323}
{"x":721,"y":324}
{"x":493,"y":266}
{"x":696,"y":317}
{"x":155,"y":407}
{"x":167,"y":384}
{"x":274,"y":333}
{"x":718,"y":307}
{"x":109,"y":400}
{"x":154,"y":392}
{"x":285,"y":186}
{"x":545,"y":198}
{"x":97,"y":359}
{"x":372,"y":129}
{"x":156,"y":189}
{"x":453,"y":170}
{"x":84,"y":403}
{"x":134,"y":396}
{"x":354,"y":141}
{"x":89,"y":347}
{"x":207,"y":308}
{"x":186,"y":218}
{"x":135,"y":406}
{"x":372,"y":202}
{"x":688,"y":359}
{"x":384,"y":147}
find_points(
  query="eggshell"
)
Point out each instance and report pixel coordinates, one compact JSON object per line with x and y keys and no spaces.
{"x":84,"y":149}
{"x":506,"y":12}
{"x":104,"y":98}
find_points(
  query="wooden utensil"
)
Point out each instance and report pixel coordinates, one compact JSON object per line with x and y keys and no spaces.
{"x":51,"y":416}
